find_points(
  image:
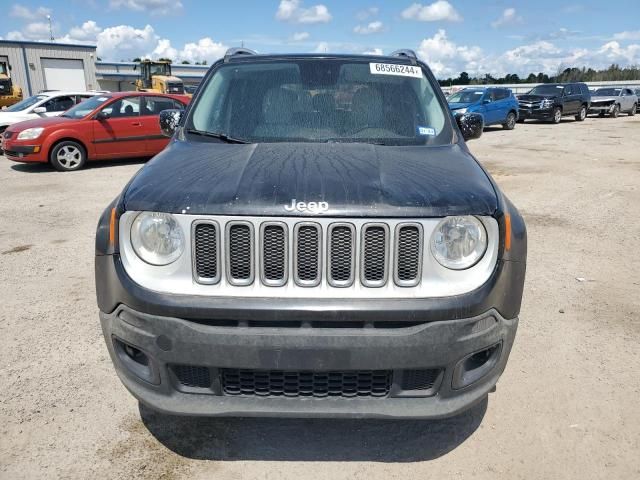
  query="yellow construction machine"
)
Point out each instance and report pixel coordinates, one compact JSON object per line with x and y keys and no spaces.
{"x":155,"y":76}
{"x":9,"y":93}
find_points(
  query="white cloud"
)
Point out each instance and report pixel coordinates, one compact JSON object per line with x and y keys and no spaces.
{"x":373,"y":51}
{"x":164,"y":50}
{"x":437,"y":11}
{"x":300,"y":36}
{"x":627,"y":35}
{"x":19,"y":11}
{"x":88,"y":31}
{"x":372,"y":27}
{"x":509,"y":17}
{"x":445,"y":58}
{"x":362,"y":15}
{"x":125,"y":41}
{"x":155,"y":7}
{"x":203,"y":49}
{"x":293,"y":11}
{"x":322,"y":47}
{"x":33,"y":31}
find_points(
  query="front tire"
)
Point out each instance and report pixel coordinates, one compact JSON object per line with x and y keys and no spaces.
{"x":557,"y":115}
{"x":68,"y":156}
{"x":582,"y":114}
{"x":510,"y":123}
{"x":615,"y":112}
{"x":633,"y":110}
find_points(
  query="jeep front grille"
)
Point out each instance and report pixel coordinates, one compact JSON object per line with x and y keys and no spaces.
{"x":381,"y":257}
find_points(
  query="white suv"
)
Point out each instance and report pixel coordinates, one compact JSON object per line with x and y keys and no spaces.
{"x":45,"y":104}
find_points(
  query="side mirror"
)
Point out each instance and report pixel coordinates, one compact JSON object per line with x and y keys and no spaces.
{"x":39,"y":110}
{"x":102,"y":115}
{"x":470,"y":124}
{"x":169,"y":121}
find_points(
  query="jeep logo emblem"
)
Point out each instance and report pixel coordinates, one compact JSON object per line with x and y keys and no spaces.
{"x":311,"y":207}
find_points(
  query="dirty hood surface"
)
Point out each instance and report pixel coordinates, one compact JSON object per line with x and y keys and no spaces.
{"x":355,"y":180}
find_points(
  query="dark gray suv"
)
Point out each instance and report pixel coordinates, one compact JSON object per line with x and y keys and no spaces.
{"x":552,"y":101}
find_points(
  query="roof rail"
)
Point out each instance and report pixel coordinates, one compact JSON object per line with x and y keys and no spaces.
{"x":238,"y":51}
{"x":405,"y":52}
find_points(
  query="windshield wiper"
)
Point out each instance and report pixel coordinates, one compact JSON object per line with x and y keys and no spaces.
{"x":221,"y":136}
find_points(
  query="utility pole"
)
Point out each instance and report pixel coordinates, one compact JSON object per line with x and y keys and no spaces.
{"x":50,"y":29}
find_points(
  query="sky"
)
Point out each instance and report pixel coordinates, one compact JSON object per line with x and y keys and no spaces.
{"x":479,"y":37}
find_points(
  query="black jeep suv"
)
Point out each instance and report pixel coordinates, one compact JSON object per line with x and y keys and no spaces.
{"x":316,"y":240}
{"x":552,"y":101}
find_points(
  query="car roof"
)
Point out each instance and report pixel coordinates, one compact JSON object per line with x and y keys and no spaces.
{"x":318,"y":56}
{"x":57,"y":93}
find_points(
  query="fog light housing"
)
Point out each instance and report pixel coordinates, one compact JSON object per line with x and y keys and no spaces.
{"x":475,"y":366}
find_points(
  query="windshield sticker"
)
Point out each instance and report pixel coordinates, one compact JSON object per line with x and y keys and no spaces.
{"x":394,"y":69}
{"x":426,"y":131}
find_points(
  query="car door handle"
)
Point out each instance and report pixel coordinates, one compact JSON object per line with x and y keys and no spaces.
{"x":136,"y":124}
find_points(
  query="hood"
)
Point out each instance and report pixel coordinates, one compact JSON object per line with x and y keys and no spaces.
{"x":535,"y":98}
{"x":7,"y":118}
{"x":356,"y":180}
{"x":457,"y":105}
{"x":603,"y":98}
{"x":40,"y":122}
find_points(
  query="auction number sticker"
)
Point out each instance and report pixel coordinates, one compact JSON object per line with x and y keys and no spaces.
{"x":395,"y":69}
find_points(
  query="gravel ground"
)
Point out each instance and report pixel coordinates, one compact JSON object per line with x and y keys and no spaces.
{"x":566,"y":407}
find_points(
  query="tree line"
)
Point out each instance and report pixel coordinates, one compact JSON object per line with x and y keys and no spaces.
{"x":612,"y":73}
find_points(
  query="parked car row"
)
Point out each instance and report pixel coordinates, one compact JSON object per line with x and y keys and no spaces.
{"x":547,"y":102}
{"x":92,"y":126}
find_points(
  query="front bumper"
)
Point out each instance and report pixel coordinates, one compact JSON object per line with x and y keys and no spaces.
{"x":535,"y":113}
{"x":441,"y":345}
{"x":601,"y":108}
{"x":19,"y":152}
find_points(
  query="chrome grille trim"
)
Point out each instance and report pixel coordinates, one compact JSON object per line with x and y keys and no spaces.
{"x":194,"y":253}
{"x":398,"y":260}
{"x":240,"y":281}
{"x":263,"y":274}
{"x":366,"y":268}
{"x":179,"y":277}
{"x":340,"y":283}
{"x":298,"y":252}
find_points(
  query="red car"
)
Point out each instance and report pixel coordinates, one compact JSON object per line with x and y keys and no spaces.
{"x":110,"y":126}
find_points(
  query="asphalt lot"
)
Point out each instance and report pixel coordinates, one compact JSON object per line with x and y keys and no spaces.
{"x":567,"y":406}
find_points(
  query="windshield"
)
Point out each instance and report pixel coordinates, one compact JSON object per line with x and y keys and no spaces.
{"x":608,"y":92}
{"x":466,"y":96}
{"x":547,"y":90}
{"x":24,"y":104}
{"x":311,"y":100}
{"x":85,"y":108}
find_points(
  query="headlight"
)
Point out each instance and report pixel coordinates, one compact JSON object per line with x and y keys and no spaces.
{"x":157,"y":238}
{"x":30,"y":133}
{"x":459,"y":242}
{"x":546,"y":103}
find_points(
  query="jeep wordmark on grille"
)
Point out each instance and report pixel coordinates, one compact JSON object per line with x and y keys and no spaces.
{"x":316,"y":240}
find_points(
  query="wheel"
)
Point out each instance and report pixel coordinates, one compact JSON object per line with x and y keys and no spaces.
{"x":510,"y":122}
{"x":633,"y":110}
{"x":557,"y":115}
{"x":615,"y":112}
{"x":67,"y":156}
{"x":582,"y":114}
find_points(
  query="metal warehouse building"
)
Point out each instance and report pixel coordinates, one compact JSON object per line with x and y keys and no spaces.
{"x":36,"y":66}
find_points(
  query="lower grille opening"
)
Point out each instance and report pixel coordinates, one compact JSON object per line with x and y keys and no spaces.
{"x":192,"y":375}
{"x":279,"y":383}
{"x":419,"y":379}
